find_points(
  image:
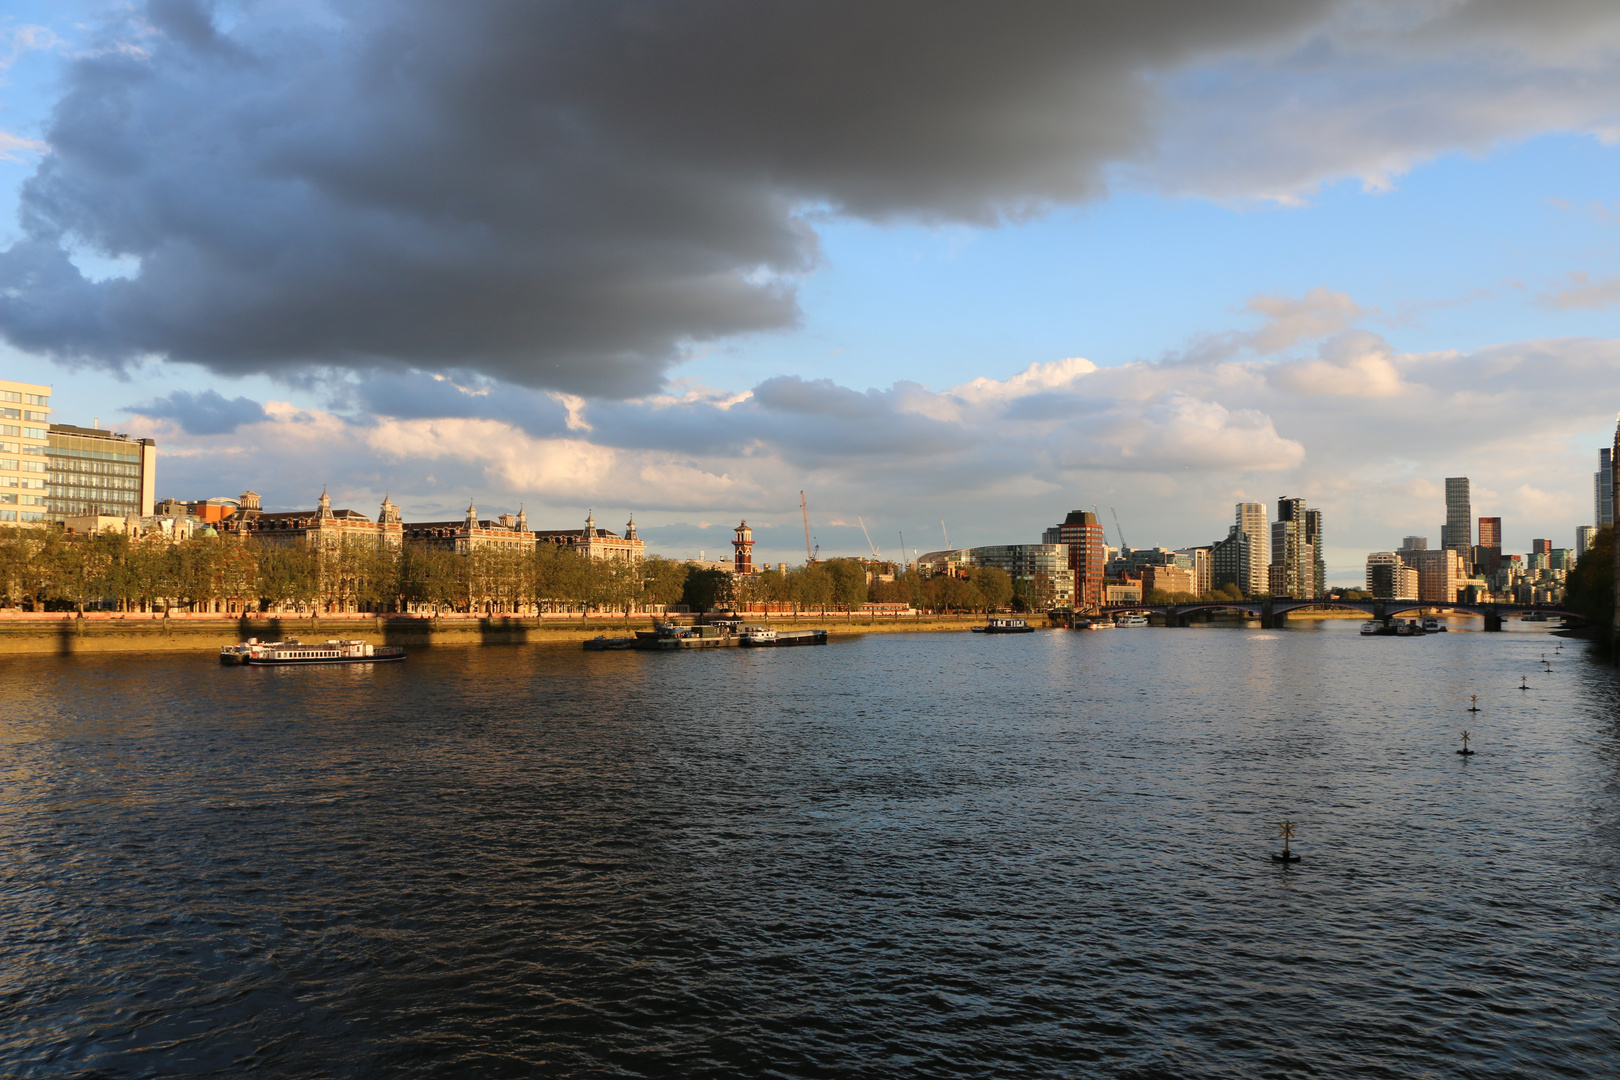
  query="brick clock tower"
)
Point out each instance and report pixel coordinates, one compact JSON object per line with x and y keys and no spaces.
{"x":743,"y":560}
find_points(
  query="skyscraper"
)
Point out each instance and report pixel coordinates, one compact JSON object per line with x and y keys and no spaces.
{"x":1488,"y":554}
{"x":1457,"y":532}
{"x":1313,"y":537}
{"x":1603,"y":489}
{"x":1251,"y":521}
{"x":1584,"y":535}
{"x":1083,"y":533}
{"x":1293,"y":558}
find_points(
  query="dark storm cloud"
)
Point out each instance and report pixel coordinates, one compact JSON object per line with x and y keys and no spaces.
{"x":557,"y":194}
{"x":205,"y":413}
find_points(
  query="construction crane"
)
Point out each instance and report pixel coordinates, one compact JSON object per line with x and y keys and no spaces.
{"x":868,"y":536}
{"x":809,"y":555}
{"x":1119,"y":529}
{"x":947,"y":535}
{"x":902,"y":550}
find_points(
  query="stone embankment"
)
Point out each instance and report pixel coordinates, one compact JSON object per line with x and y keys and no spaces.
{"x":66,"y":633}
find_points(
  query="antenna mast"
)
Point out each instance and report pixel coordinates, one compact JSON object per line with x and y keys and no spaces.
{"x":809,"y":556}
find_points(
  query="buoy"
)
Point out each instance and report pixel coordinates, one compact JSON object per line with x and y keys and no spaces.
{"x":1285,"y":829}
{"x":1465,"y":751}
{"x":1473,"y":703}
{"x":1523,"y":682}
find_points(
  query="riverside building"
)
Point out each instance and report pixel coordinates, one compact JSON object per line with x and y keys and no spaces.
{"x":1456,"y":532}
{"x":323,"y":528}
{"x":25,"y":412}
{"x":1251,"y":521}
{"x":471,"y":533}
{"x":1603,"y":489}
{"x":1296,"y":563}
{"x":594,"y":543}
{"x":1082,"y":533}
{"x":93,"y":473}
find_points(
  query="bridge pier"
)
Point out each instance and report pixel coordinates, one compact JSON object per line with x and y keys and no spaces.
{"x":1493,"y":624}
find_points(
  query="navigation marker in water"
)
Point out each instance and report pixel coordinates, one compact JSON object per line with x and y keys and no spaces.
{"x":1473,"y":703}
{"x":1523,"y":684}
{"x":1465,"y":751}
{"x":1285,"y":829}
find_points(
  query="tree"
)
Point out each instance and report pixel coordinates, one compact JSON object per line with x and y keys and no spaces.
{"x":848,"y":580}
{"x":1229,"y":591}
{"x":663,"y":581}
{"x":994,"y":585}
{"x":1590,"y":588}
{"x":705,"y":587}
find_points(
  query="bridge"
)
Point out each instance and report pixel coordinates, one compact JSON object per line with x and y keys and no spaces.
{"x":1273,"y":611}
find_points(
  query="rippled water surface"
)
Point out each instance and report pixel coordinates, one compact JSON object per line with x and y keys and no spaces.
{"x":932,"y":855}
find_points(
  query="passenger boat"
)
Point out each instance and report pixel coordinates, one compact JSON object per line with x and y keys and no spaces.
{"x":1094,"y":624}
{"x":1371,"y":629}
{"x":1005,"y":626}
{"x":768,"y":637}
{"x":256,"y":653}
{"x":1131,"y":621}
{"x":1431,"y":625}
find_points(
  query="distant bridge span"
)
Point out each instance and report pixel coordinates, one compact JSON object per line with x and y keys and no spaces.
{"x":1275,"y":610}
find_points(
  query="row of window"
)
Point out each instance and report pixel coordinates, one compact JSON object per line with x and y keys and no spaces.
{"x":24,"y":399}
{"x":110,"y":507}
{"x":114,"y":494}
{"x":21,"y":481}
{"x":21,"y":448}
{"x":25,"y":432}
{"x":20,"y":515}
{"x":98,"y":468}
{"x":26,"y":500}
{"x":25,"y":414}
{"x":95,"y":455}
{"x":13,"y":465}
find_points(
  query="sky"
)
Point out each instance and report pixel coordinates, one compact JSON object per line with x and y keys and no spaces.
{"x":949,"y":270}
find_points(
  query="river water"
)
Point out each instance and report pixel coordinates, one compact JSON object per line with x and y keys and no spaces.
{"x":905,"y":855}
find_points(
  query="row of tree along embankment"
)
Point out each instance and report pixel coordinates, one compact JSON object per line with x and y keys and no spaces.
{"x":67,"y":634}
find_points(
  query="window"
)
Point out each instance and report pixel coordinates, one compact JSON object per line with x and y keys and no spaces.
{"x":8,"y":463}
{"x":37,"y":417}
{"x":11,"y":414}
{"x":37,"y":399}
{"x":33,"y":432}
{"x":10,"y":395}
{"x":8,"y":481}
{"x":9,"y":499}
{"x":10,"y":429}
{"x":30,"y":482}
{"x":33,"y":466}
{"x":25,"y":515}
{"x":8,"y":448}
{"x":8,"y":515}
{"x":33,"y":500}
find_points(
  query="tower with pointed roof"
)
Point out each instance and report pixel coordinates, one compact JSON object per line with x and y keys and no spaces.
{"x":630,"y":529}
{"x":743,"y":550}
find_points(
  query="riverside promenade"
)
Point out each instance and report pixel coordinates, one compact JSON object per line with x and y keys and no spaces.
{"x":66,"y":633}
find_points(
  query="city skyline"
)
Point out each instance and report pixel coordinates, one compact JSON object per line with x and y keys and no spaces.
{"x":1174,"y":296}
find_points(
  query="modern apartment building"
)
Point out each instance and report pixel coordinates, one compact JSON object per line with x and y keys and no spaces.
{"x":1251,"y":521}
{"x":94,"y":472}
{"x":25,"y":416}
{"x":1584,"y":535}
{"x":1457,"y":532}
{"x":1389,"y":578}
{"x":1440,"y":573}
{"x":1294,"y":563}
{"x":1603,"y":489}
{"x":1083,"y":533}
{"x":1488,"y":552}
